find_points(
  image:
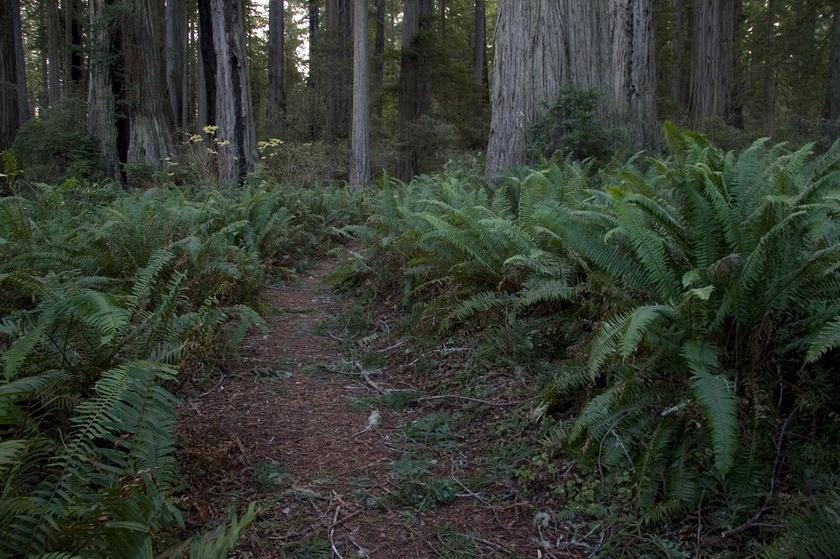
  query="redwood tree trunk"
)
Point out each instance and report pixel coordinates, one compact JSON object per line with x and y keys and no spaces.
{"x":227,"y":87}
{"x":314,"y":79}
{"x":14,"y":105}
{"x":276,"y":61}
{"x":379,"y":54}
{"x":834,"y":101}
{"x":714,"y":61}
{"x":102,"y":101}
{"x":360,"y":139}
{"x":415,"y":95}
{"x":479,"y":59}
{"x":175,"y":59}
{"x":338,"y":68}
{"x":54,"y":38}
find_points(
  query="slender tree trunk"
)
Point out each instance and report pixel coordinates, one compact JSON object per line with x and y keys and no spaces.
{"x":227,"y":87}
{"x":67,"y":63}
{"x":415,"y":97}
{"x":714,"y":84}
{"x":339,"y":68}
{"x":175,"y":47}
{"x":834,"y":101}
{"x":276,"y":61}
{"x":24,"y":113}
{"x":379,"y":55}
{"x":479,"y":58}
{"x":314,"y":82}
{"x":679,"y":74}
{"x":443,"y":19}
{"x":360,"y":158}
{"x":53,"y":52}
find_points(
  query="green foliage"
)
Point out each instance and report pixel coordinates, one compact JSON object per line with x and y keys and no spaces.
{"x":56,"y":145}
{"x":104,"y":296}
{"x":572,"y":127}
{"x":700,"y":289}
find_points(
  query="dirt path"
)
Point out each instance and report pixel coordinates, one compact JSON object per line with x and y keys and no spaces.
{"x":285,"y":427}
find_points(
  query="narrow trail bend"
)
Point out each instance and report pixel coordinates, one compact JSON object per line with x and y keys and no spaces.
{"x":280,"y":428}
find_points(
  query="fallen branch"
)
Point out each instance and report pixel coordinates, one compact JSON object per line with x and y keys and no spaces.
{"x":476,"y":400}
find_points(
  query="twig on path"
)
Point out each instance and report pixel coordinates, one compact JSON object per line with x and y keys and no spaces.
{"x":336,"y":552}
{"x":476,"y":400}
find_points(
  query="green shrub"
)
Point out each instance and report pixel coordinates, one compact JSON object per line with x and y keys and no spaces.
{"x":104,"y":295}
{"x":702,"y":289}
{"x":571,"y":126}
{"x":56,"y":145}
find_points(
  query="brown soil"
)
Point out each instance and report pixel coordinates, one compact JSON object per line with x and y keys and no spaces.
{"x":279,"y":428}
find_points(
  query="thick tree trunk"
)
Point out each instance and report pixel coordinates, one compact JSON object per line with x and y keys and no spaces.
{"x":54,"y":37}
{"x":227,"y":90}
{"x":528,"y":72}
{"x":603,"y":45}
{"x":276,"y":61}
{"x":14,"y":107}
{"x":338,"y":68}
{"x":415,"y":95}
{"x":713,"y":77}
{"x":479,"y":58}
{"x":102,"y":122}
{"x":360,"y":139}
{"x":175,"y":59}
{"x":680,"y":82}
{"x":150,"y":137}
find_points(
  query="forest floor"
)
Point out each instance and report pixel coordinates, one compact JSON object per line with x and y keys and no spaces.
{"x":340,"y":463}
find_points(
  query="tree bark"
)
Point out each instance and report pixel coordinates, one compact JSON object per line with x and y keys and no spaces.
{"x":602,"y":45}
{"x":339,"y":68}
{"x":227,"y":87}
{"x":379,"y":55}
{"x":714,"y":61}
{"x":53,"y":52}
{"x":415,"y":95}
{"x":360,"y":139}
{"x":313,"y":82}
{"x":175,"y":59}
{"x":14,"y":107}
{"x":102,"y":101}
{"x":479,"y":58}
{"x":276,"y":61}
{"x":834,"y":101}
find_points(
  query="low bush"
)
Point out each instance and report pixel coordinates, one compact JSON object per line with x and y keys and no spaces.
{"x":692,"y":306}
{"x":104,"y":296}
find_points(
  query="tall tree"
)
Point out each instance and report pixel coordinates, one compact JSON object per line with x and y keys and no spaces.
{"x":603,"y":45}
{"x":175,"y":44}
{"x":714,"y":61}
{"x":276,"y":60}
{"x":54,"y":40}
{"x":360,"y":137}
{"x":338,"y":69}
{"x":227,"y":88}
{"x":127,"y":101}
{"x":14,"y":107}
{"x":379,"y":54}
{"x":313,"y":82}
{"x":479,"y":58}
{"x":834,"y":99}
{"x":415,"y":94}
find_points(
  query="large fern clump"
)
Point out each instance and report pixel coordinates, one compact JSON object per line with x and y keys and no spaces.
{"x":105,"y":293}
{"x":710,"y":283}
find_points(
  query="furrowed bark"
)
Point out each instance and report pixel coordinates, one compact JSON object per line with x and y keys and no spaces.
{"x":360,"y":138}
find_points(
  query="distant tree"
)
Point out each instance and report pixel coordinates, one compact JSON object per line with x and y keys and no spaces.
{"x":176,"y":60}
{"x":54,"y":40}
{"x":360,"y":135}
{"x":14,"y":101}
{"x":479,"y":58}
{"x":415,"y":94}
{"x":338,"y":70}
{"x":714,"y":45}
{"x":276,"y":61}
{"x":834,"y":100}
{"x":227,"y":86}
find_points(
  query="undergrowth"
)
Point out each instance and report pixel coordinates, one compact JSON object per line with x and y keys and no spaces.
{"x":680,"y":317}
{"x":105,"y":295}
